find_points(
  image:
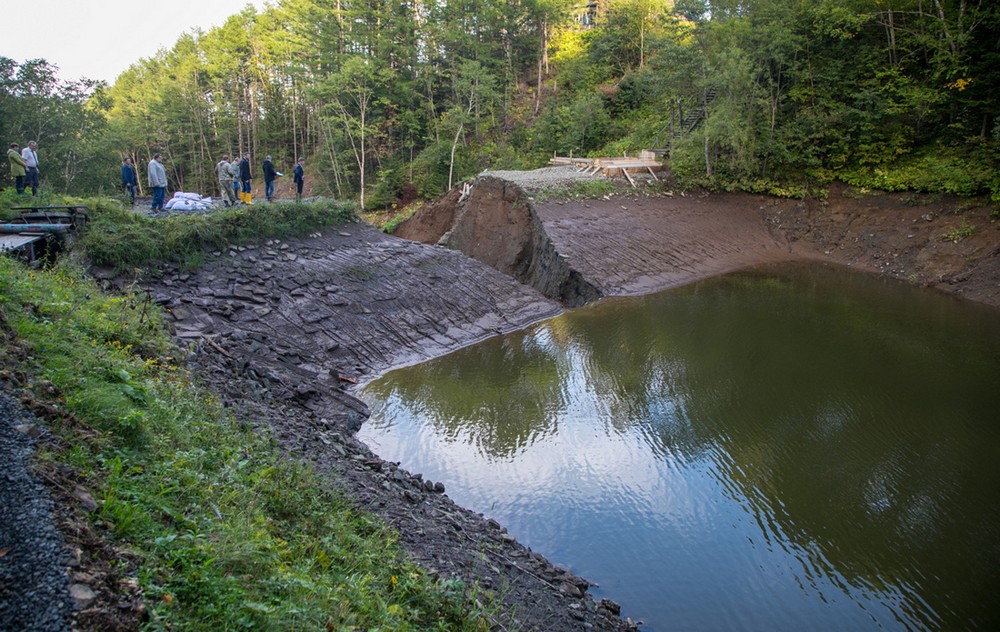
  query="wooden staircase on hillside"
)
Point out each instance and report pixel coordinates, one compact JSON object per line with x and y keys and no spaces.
{"x":682,"y":123}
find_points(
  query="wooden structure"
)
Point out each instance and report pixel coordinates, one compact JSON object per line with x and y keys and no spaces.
{"x":646,"y":161}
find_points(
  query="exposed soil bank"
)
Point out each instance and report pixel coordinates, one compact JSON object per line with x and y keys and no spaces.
{"x":282,"y":330}
{"x":639,"y":242}
{"x":279,"y":330}
{"x":492,"y":220}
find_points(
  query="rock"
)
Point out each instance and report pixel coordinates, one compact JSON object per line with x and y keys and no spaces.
{"x":82,"y":594}
{"x":610,"y":606}
{"x":86,"y":500}
{"x":570,"y":590}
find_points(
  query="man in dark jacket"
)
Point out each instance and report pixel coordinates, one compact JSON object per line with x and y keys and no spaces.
{"x":129,"y":179}
{"x":245,"y":178}
{"x":269,"y":175}
{"x":300,"y":179}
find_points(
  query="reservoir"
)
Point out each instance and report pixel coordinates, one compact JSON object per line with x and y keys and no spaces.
{"x":786,"y":448}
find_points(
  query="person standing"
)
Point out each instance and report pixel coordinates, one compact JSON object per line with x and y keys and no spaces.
{"x":129,"y":179}
{"x":157,"y":175}
{"x":245,"y":178}
{"x":225,"y":176}
{"x":234,"y":171}
{"x":269,"y":175}
{"x":30,"y":156}
{"x":300,"y":179}
{"x":17,"y":167}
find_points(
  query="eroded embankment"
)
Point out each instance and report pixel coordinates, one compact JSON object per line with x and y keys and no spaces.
{"x":282,"y":329}
{"x":493,"y":221}
{"x":640,"y":242}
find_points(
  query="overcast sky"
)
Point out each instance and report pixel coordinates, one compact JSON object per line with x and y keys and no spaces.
{"x":99,"y":39}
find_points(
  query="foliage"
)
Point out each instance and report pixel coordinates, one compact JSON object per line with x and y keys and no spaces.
{"x":119,"y":238}
{"x":966,"y":229}
{"x":736,"y":92}
{"x":230,"y":533}
{"x":397,"y":219}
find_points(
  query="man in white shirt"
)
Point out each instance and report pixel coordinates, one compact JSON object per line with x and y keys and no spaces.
{"x":157,"y":176}
{"x":30,"y":157}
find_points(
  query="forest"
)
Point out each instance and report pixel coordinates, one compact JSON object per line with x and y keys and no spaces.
{"x":779,"y":96}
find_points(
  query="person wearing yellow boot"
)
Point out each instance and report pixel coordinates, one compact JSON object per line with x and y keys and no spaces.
{"x":245,"y":179}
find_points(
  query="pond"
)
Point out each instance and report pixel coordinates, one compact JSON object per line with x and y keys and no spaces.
{"x":786,"y":448}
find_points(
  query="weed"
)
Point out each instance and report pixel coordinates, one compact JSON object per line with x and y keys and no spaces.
{"x":966,"y":229}
{"x":117,"y":237}
{"x":231,"y":533}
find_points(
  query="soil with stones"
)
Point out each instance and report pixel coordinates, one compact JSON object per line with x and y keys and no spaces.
{"x":283,"y":331}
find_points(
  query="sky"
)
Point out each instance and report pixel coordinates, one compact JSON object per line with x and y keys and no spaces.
{"x":100,"y":39}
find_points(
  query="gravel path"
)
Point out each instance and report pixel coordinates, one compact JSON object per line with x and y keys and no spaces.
{"x":34,"y":586}
{"x":544,"y":178}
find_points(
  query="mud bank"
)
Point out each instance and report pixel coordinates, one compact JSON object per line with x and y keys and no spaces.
{"x":283,"y":331}
{"x":645,"y":241}
{"x":493,"y":221}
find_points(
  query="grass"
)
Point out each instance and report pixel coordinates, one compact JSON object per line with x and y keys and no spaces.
{"x":119,"y":238}
{"x":966,"y":229}
{"x":231,"y":534}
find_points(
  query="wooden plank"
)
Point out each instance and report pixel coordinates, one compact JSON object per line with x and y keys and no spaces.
{"x":631,"y":181}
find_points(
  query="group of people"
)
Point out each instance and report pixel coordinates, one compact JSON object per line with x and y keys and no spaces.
{"x":24,"y":166}
{"x":235,"y":179}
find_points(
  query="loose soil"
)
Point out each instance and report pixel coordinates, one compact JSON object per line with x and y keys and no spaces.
{"x":284,"y":331}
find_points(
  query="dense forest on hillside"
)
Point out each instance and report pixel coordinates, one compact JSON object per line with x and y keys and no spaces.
{"x":778,"y":95}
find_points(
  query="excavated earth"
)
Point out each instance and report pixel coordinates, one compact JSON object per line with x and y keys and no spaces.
{"x":283,"y":331}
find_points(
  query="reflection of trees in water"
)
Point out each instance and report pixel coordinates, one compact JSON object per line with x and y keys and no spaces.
{"x":815,"y":406}
{"x":810,"y":400}
{"x":501,"y":395}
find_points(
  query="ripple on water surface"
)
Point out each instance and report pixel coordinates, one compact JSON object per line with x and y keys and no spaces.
{"x":788,"y":448}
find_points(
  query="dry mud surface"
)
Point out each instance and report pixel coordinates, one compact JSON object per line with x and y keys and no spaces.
{"x":283,"y":331}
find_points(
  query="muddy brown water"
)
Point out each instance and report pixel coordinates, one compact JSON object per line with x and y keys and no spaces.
{"x":792,"y":447}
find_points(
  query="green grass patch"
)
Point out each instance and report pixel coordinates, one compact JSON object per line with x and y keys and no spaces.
{"x":231,"y":534}
{"x":965,"y":229}
{"x":120,"y":238}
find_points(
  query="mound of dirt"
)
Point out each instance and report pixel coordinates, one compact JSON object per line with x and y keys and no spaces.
{"x":492,"y":220}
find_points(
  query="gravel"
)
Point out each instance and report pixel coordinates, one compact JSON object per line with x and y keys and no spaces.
{"x":544,"y":178}
{"x":34,"y":586}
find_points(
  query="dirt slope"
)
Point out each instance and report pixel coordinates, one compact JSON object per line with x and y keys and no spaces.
{"x":647,"y":240}
{"x":280,"y":331}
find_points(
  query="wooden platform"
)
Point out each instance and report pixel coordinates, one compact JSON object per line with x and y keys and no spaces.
{"x":613,"y":166}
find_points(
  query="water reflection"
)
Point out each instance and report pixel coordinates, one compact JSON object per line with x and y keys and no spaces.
{"x":779,"y":449}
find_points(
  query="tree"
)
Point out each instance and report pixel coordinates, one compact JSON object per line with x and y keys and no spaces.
{"x":350,"y":98}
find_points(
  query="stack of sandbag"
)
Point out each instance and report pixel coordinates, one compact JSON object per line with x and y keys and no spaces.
{"x":188,"y":202}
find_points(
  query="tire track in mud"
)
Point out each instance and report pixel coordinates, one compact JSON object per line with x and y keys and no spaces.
{"x":637,"y":244}
{"x":343,"y":307}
